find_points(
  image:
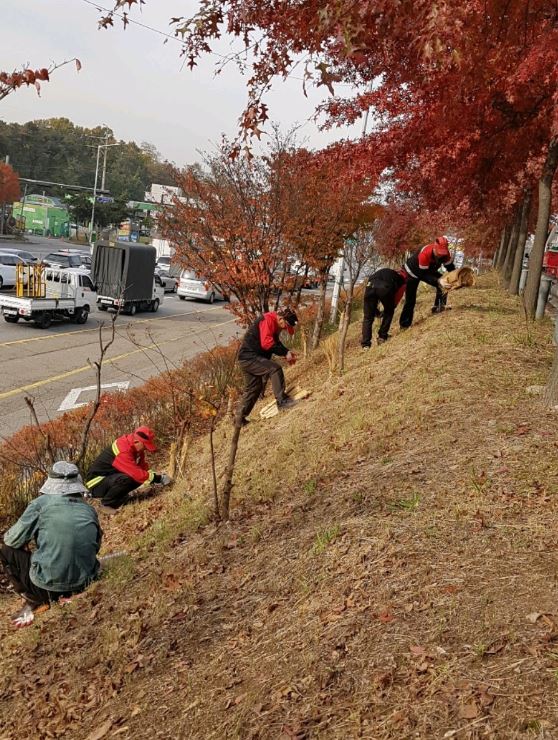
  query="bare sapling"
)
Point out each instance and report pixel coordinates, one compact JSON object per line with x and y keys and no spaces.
{"x":104,"y":346}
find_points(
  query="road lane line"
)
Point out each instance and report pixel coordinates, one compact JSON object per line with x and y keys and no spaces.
{"x":84,"y":331}
{"x":109,"y":361}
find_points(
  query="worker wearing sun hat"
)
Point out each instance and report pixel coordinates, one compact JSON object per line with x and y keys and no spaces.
{"x":424,"y":265}
{"x":259,"y":344}
{"x":122,"y":467}
{"x":67,"y":535}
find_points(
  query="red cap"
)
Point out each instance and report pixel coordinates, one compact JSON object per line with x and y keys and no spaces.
{"x":147,"y":436}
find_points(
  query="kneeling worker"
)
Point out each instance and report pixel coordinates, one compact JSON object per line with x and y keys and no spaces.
{"x":260,"y":342}
{"x":385,"y":286}
{"x":121,"y":468}
{"x":67,"y":535}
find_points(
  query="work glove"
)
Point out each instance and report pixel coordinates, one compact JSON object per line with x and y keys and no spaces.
{"x":166,"y":480}
{"x":444,"y":285}
{"x":291,"y":358}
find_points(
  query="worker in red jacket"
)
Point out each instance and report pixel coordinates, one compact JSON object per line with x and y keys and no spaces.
{"x":122,"y":467}
{"x":424,"y":264}
{"x":259,"y":344}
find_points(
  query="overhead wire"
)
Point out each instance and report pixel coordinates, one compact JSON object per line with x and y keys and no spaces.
{"x":173,"y":37}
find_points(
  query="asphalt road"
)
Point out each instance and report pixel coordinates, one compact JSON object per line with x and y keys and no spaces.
{"x":53,"y":366}
{"x":42,"y":245}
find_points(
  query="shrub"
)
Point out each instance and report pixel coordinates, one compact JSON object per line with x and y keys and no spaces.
{"x":177,"y":402}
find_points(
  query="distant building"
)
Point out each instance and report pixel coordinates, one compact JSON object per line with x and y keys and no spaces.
{"x":162,"y":194}
{"x":43,"y":215}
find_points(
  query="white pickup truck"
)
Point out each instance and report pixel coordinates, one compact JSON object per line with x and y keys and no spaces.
{"x":55,"y":295}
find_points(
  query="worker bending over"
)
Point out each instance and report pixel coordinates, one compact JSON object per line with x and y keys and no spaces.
{"x":385,"y":286}
{"x":259,"y":344}
{"x":424,"y":264}
{"x":122,"y":467}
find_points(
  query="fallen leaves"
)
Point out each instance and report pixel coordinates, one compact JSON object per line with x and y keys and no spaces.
{"x":171,"y":582}
{"x":101,"y":731}
{"x":468,"y":710}
{"x":386,"y":617}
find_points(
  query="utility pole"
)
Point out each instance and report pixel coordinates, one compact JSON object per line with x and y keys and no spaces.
{"x":103,"y":178}
{"x":94,"y":197}
{"x":104,"y":146}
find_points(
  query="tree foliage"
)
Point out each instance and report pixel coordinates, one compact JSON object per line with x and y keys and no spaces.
{"x":9,"y":184}
{"x":244,"y":223}
{"x":463,"y":94}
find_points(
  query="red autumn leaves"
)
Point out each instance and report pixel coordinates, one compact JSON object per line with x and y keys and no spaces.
{"x":9,"y":184}
{"x":10,"y":82}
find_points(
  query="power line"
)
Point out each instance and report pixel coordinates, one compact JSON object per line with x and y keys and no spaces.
{"x":136,"y":23}
{"x":175,"y":38}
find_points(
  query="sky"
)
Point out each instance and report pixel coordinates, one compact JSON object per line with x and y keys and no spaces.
{"x":136,"y":84}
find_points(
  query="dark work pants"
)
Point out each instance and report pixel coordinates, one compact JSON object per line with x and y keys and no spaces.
{"x":256,"y":372}
{"x":16,"y":563}
{"x":377,"y":292}
{"x":406,"y":318}
{"x":114,"y":489}
{"x":440,"y":301}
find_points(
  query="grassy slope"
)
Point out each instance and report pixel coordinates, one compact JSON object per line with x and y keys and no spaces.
{"x":393,"y":542}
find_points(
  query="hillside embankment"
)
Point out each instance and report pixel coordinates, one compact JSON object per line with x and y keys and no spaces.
{"x":389,"y":570}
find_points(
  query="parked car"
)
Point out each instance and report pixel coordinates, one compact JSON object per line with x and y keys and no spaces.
{"x":67,"y":258}
{"x":163,"y":263}
{"x":170,"y":283}
{"x":192,"y":286}
{"x":8,"y":265}
{"x":27,"y":256}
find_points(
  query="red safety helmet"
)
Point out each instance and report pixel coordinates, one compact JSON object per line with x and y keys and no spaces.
{"x":147,"y":436}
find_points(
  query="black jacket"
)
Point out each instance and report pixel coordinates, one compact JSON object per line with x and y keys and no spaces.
{"x":390,"y":278}
{"x":262,"y":339}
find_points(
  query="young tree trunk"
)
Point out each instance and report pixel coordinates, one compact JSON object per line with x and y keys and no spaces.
{"x":229,"y":472}
{"x":213,"y":469}
{"x":522,"y":238}
{"x":344,"y":327}
{"x":299,"y":289}
{"x":550,"y":395}
{"x":541,"y":230}
{"x":512,"y":246}
{"x":320,"y":316}
{"x":499,"y":248}
{"x":504,"y":248}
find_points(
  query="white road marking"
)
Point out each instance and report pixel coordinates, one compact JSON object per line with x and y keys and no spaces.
{"x":71,"y":400}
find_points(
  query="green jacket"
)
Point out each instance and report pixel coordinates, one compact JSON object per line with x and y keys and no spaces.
{"x":68,"y":537}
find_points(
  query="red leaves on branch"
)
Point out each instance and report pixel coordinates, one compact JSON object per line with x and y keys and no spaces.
{"x":9,"y":184}
{"x":27,"y":76}
{"x":463,"y":94}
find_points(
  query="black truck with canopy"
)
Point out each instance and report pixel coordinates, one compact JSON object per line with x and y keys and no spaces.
{"x":124,"y":274}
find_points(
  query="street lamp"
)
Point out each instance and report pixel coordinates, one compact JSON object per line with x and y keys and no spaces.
{"x":99,"y":147}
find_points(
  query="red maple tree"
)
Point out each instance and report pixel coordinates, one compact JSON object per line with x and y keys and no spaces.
{"x":9,"y":184}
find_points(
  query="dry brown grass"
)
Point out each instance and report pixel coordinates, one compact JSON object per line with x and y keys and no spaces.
{"x":389,"y":571}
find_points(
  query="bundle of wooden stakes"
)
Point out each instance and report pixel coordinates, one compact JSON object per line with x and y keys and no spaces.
{"x":295,"y":392}
{"x":463,"y":277}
